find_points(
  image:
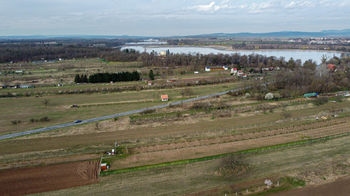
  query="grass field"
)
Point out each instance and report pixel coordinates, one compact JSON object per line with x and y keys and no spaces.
{"x":58,"y":108}
{"x":310,"y":163}
{"x":217,"y":146}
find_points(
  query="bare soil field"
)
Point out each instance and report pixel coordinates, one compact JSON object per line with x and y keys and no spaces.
{"x":47,"y":178}
{"x":201,"y":178}
{"x":339,"y":188}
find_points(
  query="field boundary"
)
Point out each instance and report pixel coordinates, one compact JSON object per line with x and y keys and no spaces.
{"x":213,"y":157}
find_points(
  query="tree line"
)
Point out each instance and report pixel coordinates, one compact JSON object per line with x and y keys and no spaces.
{"x":309,"y":78}
{"x":108,"y":77}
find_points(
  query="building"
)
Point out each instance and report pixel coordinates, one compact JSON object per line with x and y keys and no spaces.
{"x":25,"y":86}
{"x":234,"y":71}
{"x":240,"y":73}
{"x":164,"y":97}
{"x":217,"y":68}
{"x":331,"y":67}
{"x":309,"y":95}
{"x":149,"y":83}
{"x":104,"y":166}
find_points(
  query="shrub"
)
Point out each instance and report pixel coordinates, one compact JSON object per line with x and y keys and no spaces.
{"x":15,"y":122}
{"x":286,"y":114}
{"x":338,"y":99}
{"x":187,"y":92}
{"x":201,"y":105}
{"x":44,"y":119}
{"x":320,"y":101}
{"x":148,"y":112}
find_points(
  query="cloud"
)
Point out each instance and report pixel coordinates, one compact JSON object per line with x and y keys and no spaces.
{"x":259,"y":7}
{"x":300,"y":4}
{"x":211,"y":7}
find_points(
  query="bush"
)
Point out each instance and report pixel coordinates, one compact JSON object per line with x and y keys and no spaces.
{"x":15,"y":122}
{"x":44,"y":119}
{"x":201,"y":105}
{"x":320,"y":101}
{"x":338,"y":99}
{"x":148,"y":112}
{"x":187,"y":92}
{"x":286,"y":114}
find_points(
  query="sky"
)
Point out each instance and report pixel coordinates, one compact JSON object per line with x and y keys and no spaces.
{"x":169,"y":18}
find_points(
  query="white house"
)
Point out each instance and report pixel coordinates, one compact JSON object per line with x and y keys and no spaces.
{"x":234,"y":71}
{"x":240,"y":73}
{"x":207,"y":69}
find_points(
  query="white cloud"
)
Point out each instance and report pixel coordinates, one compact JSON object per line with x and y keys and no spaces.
{"x":300,"y":4}
{"x":259,"y":7}
{"x":211,"y":7}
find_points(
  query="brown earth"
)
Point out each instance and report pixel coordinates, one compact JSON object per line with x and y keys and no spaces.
{"x":45,"y":160}
{"x":339,"y":188}
{"x":48,"y":178}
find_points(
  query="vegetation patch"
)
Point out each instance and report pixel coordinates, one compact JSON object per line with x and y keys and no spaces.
{"x":207,"y":158}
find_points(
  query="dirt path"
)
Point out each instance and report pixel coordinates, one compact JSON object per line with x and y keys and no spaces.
{"x":47,"y":178}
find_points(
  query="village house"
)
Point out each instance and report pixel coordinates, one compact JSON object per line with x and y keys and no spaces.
{"x":217,"y":68}
{"x":331,"y":67}
{"x":164,"y":97}
{"x":240,"y":73}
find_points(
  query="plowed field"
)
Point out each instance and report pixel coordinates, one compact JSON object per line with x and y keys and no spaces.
{"x":47,"y":178}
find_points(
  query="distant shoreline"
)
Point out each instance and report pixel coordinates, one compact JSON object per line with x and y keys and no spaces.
{"x":227,"y":48}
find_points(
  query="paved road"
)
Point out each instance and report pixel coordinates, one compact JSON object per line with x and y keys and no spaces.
{"x":12,"y":135}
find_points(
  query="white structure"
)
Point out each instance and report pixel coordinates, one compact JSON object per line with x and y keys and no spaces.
{"x":268,"y":183}
{"x":234,"y":71}
{"x":207,"y":69}
{"x":162,"y":53}
{"x":240,"y":73}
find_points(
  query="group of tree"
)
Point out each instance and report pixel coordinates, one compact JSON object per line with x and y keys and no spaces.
{"x":312,"y":78}
{"x":108,"y":77}
{"x":81,"y":78}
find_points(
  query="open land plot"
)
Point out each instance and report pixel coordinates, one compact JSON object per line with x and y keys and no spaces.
{"x":314,"y":163}
{"x":62,"y":71}
{"x":198,"y":136}
{"x":58,"y":108}
{"x":46,"y":178}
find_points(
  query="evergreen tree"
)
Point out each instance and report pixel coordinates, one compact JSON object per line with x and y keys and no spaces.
{"x":151,"y":75}
{"x":77,"y":78}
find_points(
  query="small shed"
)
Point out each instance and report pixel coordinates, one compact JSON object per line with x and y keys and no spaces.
{"x":164,"y":97}
{"x":104,"y":166}
{"x":331,"y":67}
{"x":309,"y":95}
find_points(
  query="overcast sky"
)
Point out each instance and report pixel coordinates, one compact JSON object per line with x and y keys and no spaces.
{"x":164,"y":17}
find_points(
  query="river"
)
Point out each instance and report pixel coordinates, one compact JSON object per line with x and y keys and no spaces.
{"x":303,"y":55}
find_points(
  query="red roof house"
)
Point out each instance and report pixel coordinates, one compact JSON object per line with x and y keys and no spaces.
{"x":331,"y":67}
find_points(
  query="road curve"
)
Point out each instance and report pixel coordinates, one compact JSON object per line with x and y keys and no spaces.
{"x":13,"y":135}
